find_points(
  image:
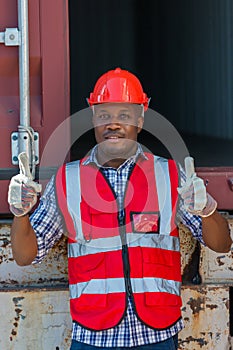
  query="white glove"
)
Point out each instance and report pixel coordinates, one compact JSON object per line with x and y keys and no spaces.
{"x":22,"y":193}
{"x":195,"y":198}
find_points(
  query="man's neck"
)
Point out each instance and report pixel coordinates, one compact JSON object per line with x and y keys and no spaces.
{"x":112,"y":162}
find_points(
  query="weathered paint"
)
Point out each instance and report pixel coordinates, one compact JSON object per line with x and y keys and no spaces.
{"x":206,"y":318}
{"x":190,"y":256}
{"x":39,"y":319}
{"x":217,"y":267}
{"x":35,"y":307}
{"x":51,"y":272}
{"x":35,"y":319}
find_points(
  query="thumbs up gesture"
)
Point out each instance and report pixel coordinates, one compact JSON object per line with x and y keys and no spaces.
{"x":193,"y":193}
{"x":22,"y":193}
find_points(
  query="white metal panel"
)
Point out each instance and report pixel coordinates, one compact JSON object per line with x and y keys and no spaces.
{"x":52,"y":271}
{"x":206,"y":317}
{"x":35,"y":320}
{"x":217,"y":267}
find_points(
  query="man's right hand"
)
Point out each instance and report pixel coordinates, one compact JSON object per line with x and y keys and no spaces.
{"x":22,"y":194}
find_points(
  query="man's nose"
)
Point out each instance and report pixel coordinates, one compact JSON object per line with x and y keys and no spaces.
{"x":113,"y":123}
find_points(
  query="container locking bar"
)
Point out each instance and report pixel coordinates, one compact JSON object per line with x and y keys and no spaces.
{"x":26,"y":139}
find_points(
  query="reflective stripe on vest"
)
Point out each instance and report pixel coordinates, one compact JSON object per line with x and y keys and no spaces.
{"x":114,"y":243}
{"x":164,"y":194}
{"x":117,"y":285}
{"x":73,"y":189}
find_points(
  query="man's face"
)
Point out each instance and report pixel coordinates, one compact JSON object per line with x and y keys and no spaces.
{"x":116,"y":129}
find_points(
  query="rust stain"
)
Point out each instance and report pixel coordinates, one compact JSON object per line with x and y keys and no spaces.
{"x":18,"y":311}
{"x":4,"y":258}
{"x":219,"y":261}
{"x":211,"y":306}
{"x":4,"y":242}
{"x":196,"y":305}
{"x":191,"y":269}
{"x":200,"y":341}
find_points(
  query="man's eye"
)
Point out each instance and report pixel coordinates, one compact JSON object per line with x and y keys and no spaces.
{"x":103,"y":116}
{"x":124,"y":116}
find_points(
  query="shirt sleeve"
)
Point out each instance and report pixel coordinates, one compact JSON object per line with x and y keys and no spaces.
{"x":47,"y":222}
{"x":193,"y":222}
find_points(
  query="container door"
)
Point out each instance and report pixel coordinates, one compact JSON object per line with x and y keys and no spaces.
{"x":49,"y":86}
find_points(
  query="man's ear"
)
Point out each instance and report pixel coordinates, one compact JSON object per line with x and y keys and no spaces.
{"x":140,"y":124}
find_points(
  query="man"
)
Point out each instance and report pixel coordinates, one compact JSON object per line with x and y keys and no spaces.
{"x":120,"y":208}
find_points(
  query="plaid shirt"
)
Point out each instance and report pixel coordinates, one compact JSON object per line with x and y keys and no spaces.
{"x":48,"y":225}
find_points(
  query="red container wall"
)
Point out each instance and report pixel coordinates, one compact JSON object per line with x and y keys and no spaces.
{"x":49,"y":85}
{"x":219,"y":183}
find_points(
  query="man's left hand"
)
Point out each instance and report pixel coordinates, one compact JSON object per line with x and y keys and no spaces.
{"x":193,"y":193}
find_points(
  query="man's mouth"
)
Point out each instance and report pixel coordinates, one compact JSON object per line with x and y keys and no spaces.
{"x":113,"y":137}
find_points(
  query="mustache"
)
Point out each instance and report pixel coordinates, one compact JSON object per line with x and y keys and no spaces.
{"x":113,"y":134}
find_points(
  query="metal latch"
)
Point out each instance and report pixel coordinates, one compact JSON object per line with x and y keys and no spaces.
{"x":20,"y":141}
{"x":11,"y":37}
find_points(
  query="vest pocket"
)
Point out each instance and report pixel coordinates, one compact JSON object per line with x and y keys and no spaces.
{"x":91,"y":266}
{"x":91,"y":286}
{"x":103,"y":223}
{"x":161,"y":275}
{"x":156,"y":256}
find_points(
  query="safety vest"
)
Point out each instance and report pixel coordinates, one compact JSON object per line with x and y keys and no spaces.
{"x":111,"y":258}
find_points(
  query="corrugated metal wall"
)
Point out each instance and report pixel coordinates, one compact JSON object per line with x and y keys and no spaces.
{"x":102,"y":36}
{"x":182,"y":53}
{"x":197,"y":69}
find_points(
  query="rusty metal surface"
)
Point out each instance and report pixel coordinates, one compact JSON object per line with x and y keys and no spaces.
{"x":51,"y":272}
{"x":190,"y":256}
{"x":205,"y":307}
{"x":34,"y":300}
{"x":217,"y":267}
{"x":35,"y":320}
{"x":38,"y":318}
{"x":206,"y":318}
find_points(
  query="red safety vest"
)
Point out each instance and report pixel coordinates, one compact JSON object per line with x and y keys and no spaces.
{"x":110,"y":258}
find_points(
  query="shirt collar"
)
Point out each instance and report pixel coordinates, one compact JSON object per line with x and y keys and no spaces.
{"x":92,"y":158}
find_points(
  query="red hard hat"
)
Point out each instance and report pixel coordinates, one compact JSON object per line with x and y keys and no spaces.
{"x":118,"y":86}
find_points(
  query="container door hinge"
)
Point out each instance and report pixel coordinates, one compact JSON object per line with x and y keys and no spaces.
{"x":24,"y":141}
{"x":11,"y":37}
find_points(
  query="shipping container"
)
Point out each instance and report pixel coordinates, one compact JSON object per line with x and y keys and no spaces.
{"x":51,"y":54}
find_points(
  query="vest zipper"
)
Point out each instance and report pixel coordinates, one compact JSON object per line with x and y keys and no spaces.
{"x":125,"y":253}
{"x":125,"y":256}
